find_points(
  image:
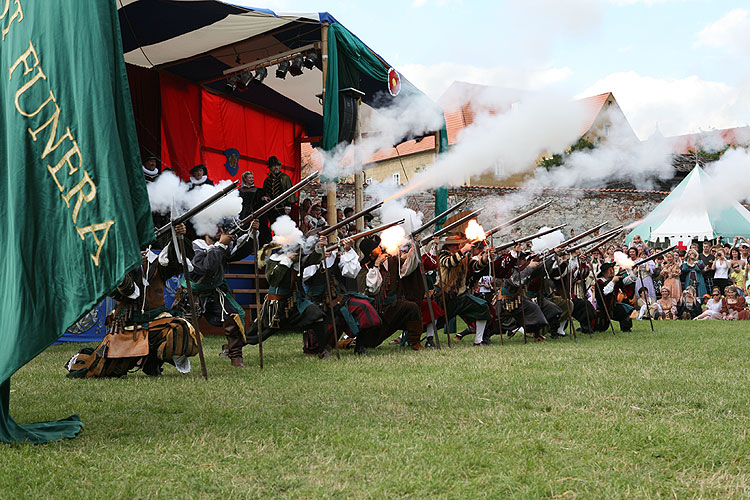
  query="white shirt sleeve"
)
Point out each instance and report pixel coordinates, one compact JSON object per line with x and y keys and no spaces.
{"x":409,"y":264}
{"x":309,"y":272}
{"x":608,"y":288}
{"x":373,"y":280}
{"x":349,"y":264}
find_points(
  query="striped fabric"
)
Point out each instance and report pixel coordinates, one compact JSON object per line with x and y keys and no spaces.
{"x":200,"y":39}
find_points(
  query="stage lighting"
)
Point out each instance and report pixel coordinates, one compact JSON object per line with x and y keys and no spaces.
{"x":311,"y":60}
{"x":243,"y":79}
{"x":282,"y":69}
{"x":296,"y":68}
{"x":232,"y":83}
{"x":260,"y":74}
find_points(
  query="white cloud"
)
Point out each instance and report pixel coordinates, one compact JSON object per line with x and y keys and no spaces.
{"x":678,"y":106}
{"x":731,"y":32}
{"x":434,"y":79}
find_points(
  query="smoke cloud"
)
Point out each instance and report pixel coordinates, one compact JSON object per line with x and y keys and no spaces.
{"x":410,"y":116}
{"x":547,"y":241}
{"x":169,"y":191}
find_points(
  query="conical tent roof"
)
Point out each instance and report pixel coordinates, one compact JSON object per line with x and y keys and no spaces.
{"x":696,"y":209}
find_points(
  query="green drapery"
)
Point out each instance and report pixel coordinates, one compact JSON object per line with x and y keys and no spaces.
{"x":73,"y":202}
{"x":347,"y":57}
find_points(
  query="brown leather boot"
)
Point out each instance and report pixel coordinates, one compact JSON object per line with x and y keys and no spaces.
{"x":414,"y":329}
{"x":238,"y":362}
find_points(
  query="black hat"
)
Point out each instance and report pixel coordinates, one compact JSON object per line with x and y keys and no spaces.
{"x":192,"y":170}
{"x":367,"y":245}
{"x":605,"y":266}
{"x":150,"y":157}
{"x":272,"y":161}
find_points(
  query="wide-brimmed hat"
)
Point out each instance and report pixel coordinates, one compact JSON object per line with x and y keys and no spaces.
{"x":195,"y":168}
{"x":367,"y":245}
{"x":272,"y":161}
{"x":606,"y":266}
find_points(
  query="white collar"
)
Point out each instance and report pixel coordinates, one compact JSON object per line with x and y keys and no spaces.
{"x":155,"y":171}
{"x":198,"y":182}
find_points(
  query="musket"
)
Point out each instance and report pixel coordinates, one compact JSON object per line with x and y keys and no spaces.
{"x":452,"y":225}
{"x":652,"y":257}
{"x":529,"y":238}
{"x":517,"y":219}
{"x":244,"y":224}
{"x":364,"y":234}
{"x":601,"y":239}
{"x":577,"y":237}
{"x":438,"y":217}
{"x":197,"y":209}
{"x":344,"y":222}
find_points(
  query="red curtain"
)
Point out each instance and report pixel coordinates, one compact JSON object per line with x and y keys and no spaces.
{"x":200,"y":127}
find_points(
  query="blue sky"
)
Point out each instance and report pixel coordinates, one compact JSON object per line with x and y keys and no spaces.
{"x":681,"y":64}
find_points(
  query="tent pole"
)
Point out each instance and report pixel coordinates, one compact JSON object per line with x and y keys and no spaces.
{"x":359,"y":178}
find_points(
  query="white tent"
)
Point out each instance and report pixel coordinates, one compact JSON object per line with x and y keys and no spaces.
{"x":697,"y":209}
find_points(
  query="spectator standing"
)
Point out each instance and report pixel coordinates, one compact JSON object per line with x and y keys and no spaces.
{"x":707,"y":257}
{"x":276,"y":183}
{"x":721,"y":270}
{"x":693,"y":271}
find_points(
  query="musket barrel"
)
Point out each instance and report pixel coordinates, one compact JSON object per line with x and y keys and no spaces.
{"x":438,"y":217}
{"x":598,"y":240}
{"x":369,"y":232}
{"x":344,"y":222}
{"x":582,"y":235}
{"x":652,"y":257}
{"x":268,"y":206}
{"x":455,"y":224}
{"x":198,"y":208}
{"x":518,"y":218}
{"x":529,"y":238}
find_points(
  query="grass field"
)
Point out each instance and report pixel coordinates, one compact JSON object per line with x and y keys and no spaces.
{"x":639,"y":415}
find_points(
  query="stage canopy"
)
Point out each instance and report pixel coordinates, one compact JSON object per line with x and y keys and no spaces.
{"x":199,"y":40}
{"x":696,"y":209}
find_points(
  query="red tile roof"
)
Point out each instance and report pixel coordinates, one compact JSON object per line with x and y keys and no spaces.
{"x":592,"y":107}
{"x":712,"y":140}
{"x":459,"y":103}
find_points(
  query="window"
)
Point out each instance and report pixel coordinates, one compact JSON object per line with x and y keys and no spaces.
{"x":606,"y":130}
{"x":499,"y":170}
{"x":397,"y":178}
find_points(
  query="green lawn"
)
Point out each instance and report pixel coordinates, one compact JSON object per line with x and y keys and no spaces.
{"x":637,"y":415}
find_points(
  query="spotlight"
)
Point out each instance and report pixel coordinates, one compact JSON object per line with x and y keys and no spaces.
{"x":296,"y":68}
{"x":282,"y":69}
{"x":311,"y":60}
{"x":260,"y":74}
{"x":232,"y":83}
{"x":245,"y":79}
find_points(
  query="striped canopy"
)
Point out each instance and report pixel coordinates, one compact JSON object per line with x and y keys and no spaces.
{"x":200,"y":39}
{"x":697,"y":209}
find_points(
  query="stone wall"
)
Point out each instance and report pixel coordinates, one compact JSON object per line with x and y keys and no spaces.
{"x":580,"y":209}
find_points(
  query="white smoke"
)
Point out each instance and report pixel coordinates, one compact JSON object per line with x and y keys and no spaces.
{"x":168,"y":191}
{"x":730,"y":176}
{"x":394,"y":209}
{"x":619,"y":157}
{"x":208,"y":220}
{"x":507,"y":143}
{"x":623,"y":260}
{"x":409,"y":116}
{"x":286,"y":233}
{"x":548,"y":241}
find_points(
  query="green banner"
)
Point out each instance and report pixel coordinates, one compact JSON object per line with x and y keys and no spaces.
{"x":73,"y":202}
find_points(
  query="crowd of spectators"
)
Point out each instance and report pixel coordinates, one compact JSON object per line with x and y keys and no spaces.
{"x":706,"y":281}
